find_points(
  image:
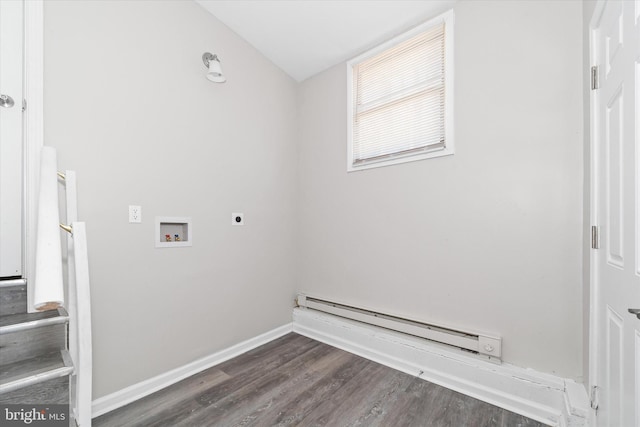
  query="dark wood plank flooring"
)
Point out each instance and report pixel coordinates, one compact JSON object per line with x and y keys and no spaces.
{"x":295,"y":380}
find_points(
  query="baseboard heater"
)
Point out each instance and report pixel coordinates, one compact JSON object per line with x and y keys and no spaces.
{"x":485,"y":345}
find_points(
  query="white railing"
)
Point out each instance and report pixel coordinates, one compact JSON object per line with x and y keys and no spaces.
{"x":48,"y":288}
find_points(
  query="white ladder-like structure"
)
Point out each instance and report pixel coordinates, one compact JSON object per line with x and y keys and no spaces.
{"x":49,"y":287}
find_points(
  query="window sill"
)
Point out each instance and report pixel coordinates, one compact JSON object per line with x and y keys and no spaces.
{"x":397,"y":160}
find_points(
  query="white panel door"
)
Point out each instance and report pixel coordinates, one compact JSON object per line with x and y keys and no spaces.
{"x":617,"y":202}
{"x":11,"y":160}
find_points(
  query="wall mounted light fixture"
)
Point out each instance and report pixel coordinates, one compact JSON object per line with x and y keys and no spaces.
{"x":214,"y":73}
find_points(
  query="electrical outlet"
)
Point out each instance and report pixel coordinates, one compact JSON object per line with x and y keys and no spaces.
{"x":237,"y":218}
{"x":135,"y":214}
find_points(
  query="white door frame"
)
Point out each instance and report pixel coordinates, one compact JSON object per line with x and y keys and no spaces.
{"x":594,"y":175}
{"x":33,"y":131}
{"x":11,"y":141}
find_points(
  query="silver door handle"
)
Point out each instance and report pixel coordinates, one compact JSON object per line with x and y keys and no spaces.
{"x":6,"y":101}
{"x":635,"y":311}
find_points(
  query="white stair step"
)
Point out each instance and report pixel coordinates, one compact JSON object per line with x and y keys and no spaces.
{"x":28,"y":335}
{"x":24,"y":321}
{"x":12,"y":282}
{"x":36,"y":370}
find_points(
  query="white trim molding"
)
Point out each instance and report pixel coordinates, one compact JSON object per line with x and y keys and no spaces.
{"x":137,"y":391}
{"x":594,"y":339}
{"x":33,"y":132}
{"x":546,"y":398}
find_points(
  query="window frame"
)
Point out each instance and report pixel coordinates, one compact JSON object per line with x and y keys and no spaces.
{"x":448,"y":19}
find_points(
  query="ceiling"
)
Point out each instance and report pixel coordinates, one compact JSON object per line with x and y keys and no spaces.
{"x":305,"y":37}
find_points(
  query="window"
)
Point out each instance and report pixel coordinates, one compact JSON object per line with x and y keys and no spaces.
{"x":400,"y":98}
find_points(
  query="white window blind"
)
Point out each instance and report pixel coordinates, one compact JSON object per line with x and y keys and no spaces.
{"x":398,"y":100}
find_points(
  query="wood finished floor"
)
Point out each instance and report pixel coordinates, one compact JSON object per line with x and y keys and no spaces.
{"x":295,"y":380}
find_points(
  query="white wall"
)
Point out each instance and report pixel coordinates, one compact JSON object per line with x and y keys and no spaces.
{"x":128,"y":107}
{"x":489,"y":238}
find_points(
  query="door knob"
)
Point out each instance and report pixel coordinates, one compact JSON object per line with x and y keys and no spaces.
{"x":635,"y":311}
{"x":6,"y":101}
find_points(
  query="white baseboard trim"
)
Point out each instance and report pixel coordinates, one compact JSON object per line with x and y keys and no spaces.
{"x":137,"y":391}
{"x":546,"y":398}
